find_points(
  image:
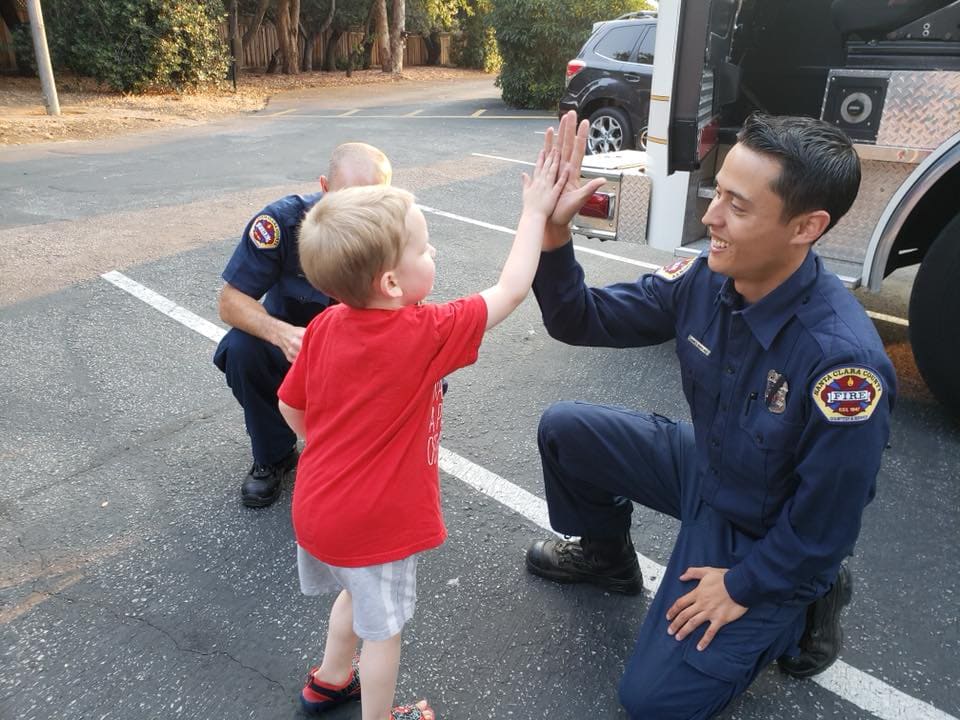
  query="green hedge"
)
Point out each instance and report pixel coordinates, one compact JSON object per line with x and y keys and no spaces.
{"x":476,"y":44}
{"x":536,"y":39}
{"x":136,"y":45}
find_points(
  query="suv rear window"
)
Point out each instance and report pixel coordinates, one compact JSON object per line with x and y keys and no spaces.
{"x":619,"y":42}
{"x":645,"y":49}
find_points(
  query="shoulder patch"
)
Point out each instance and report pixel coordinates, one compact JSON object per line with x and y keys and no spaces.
{"x":265,"y":232}
{"x":848,"y":394}
{"x":675,"y":269}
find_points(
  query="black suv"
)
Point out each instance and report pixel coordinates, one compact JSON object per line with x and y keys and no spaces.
{"x":608,"y":83}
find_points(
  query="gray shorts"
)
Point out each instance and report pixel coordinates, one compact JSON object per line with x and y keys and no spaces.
{"x":384,"y":596}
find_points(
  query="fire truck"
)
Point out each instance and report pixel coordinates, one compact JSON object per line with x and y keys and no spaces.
{"x":885,"y":71}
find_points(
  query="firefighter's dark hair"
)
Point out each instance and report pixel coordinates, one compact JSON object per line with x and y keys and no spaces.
{"x":820,"y":169}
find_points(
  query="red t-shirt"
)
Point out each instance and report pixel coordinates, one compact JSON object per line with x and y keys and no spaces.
{"x":367,"y":489}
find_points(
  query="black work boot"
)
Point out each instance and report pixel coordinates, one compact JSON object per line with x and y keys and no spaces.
{"x":262,"y":484}
{"x":609,"y":564}
{"x":822,"y":636}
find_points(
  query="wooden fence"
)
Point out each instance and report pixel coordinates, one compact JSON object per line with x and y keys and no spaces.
{"x":257,"y":53}
{"x":8,"y":59}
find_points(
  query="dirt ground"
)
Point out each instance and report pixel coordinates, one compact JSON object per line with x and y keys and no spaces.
{"x":88,"y":111}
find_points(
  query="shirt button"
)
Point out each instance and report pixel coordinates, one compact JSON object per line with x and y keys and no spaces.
{"x":730,"y":370}
{"x":714,"y":443}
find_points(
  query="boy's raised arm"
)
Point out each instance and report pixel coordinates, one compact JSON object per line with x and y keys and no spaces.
{"x":540,"y":194}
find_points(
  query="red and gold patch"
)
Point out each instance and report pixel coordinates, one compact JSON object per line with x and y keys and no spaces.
{"x":265,"y":232}
{"x":675,"y":269}
{"x":848,"y":394}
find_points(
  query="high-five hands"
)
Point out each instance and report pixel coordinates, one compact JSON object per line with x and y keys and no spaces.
{"x":541,"y":191}
{"x":571,"y":141}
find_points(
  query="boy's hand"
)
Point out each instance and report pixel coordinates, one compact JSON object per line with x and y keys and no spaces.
{"x":541,"y":191}
{"x":571,"y":141}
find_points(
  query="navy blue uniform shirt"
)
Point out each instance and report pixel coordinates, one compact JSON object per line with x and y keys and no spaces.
{"x":266,"y":262}
{"x":790,"y":399}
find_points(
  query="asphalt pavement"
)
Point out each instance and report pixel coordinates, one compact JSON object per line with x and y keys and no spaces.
{"x":133,"y":584}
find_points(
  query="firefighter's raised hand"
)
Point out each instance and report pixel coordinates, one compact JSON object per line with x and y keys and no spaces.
{"x":572,"y":143}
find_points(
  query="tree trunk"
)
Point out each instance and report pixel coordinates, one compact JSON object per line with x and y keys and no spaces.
{"x":330,"y":53}
{"x":236,"y":42}
{"x":311,"y":37}
{"x":257,"y":22}
{"x":398,"y":36}
{"x":383,"y":33}
{"x":288,"y":35}
{"x":308,"y":43}
{"x":274,"y":64}
{"x":8,"y":10}
{"x":434,"y":48}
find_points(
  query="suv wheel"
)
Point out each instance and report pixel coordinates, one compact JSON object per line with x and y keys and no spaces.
{"x":609,"y":131}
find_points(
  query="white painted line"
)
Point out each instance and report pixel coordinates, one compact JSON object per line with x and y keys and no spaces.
{"x":167,"y":307}
{"x":512,"y":231}
{"x":282,"y":112}
{"x":497,"y":157}
{"x":478,"y":113}
{"x":618,"y":258}
{"x":539,"y":132}
{"x":888,"y":318}
{"x":414,"y":113}
{"x":420,"y":117}
{"x":875,"y":696}
{"x":527,"y":504}
{"x":469,"y":221}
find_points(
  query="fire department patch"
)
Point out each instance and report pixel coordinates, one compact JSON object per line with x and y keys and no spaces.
{"x":848,"y":394}
{"x":265,"y":232}
{"x":675,"y":270}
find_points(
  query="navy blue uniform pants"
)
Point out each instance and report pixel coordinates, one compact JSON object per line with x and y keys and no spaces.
{"x":254,"y":370}
{"x":597,"y":461}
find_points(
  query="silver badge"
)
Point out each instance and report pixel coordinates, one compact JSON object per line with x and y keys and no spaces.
{"x":776,"y":394}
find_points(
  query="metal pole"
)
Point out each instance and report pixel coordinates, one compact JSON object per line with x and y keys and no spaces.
{"x":43,"y":57}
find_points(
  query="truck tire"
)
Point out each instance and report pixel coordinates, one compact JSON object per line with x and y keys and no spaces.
{"x":609,"y":131}
{"x":935,"y":317}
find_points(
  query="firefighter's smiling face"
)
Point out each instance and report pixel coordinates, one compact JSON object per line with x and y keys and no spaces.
{"x":750,"y":240}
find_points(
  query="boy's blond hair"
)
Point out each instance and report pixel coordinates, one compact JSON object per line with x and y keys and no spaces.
{"x":352,"y":236}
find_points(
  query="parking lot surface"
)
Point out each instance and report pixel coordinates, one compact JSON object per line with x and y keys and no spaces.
{"x":133,"y":584}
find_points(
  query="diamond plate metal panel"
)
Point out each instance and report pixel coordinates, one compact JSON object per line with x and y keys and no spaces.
{"x":922,"y":109}
{"x":849,"y":239}
{"x":634,"y":207}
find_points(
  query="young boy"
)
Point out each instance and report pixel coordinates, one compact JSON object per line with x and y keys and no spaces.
{"x":365,"y":392}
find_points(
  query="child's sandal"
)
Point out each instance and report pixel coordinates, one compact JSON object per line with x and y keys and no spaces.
{"x":316,"y":696}
{"x":413,"y":712}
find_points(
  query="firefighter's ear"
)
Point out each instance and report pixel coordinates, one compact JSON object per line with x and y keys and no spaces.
{"x":808,"y":227}
{"x":324,"y":183}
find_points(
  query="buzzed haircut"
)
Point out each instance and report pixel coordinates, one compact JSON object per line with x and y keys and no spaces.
{"x":357,"y":163}
{"x":352,"y":236}
{"x":820,"y":169}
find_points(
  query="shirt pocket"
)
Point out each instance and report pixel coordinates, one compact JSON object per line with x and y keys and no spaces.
{"x":771,"y":442}
{"x":701,"y":380}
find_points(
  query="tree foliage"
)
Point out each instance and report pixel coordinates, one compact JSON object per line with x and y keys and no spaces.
{"x":135,"y":45}
{"x":475,"y":46}
{"x":536,"y":38}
